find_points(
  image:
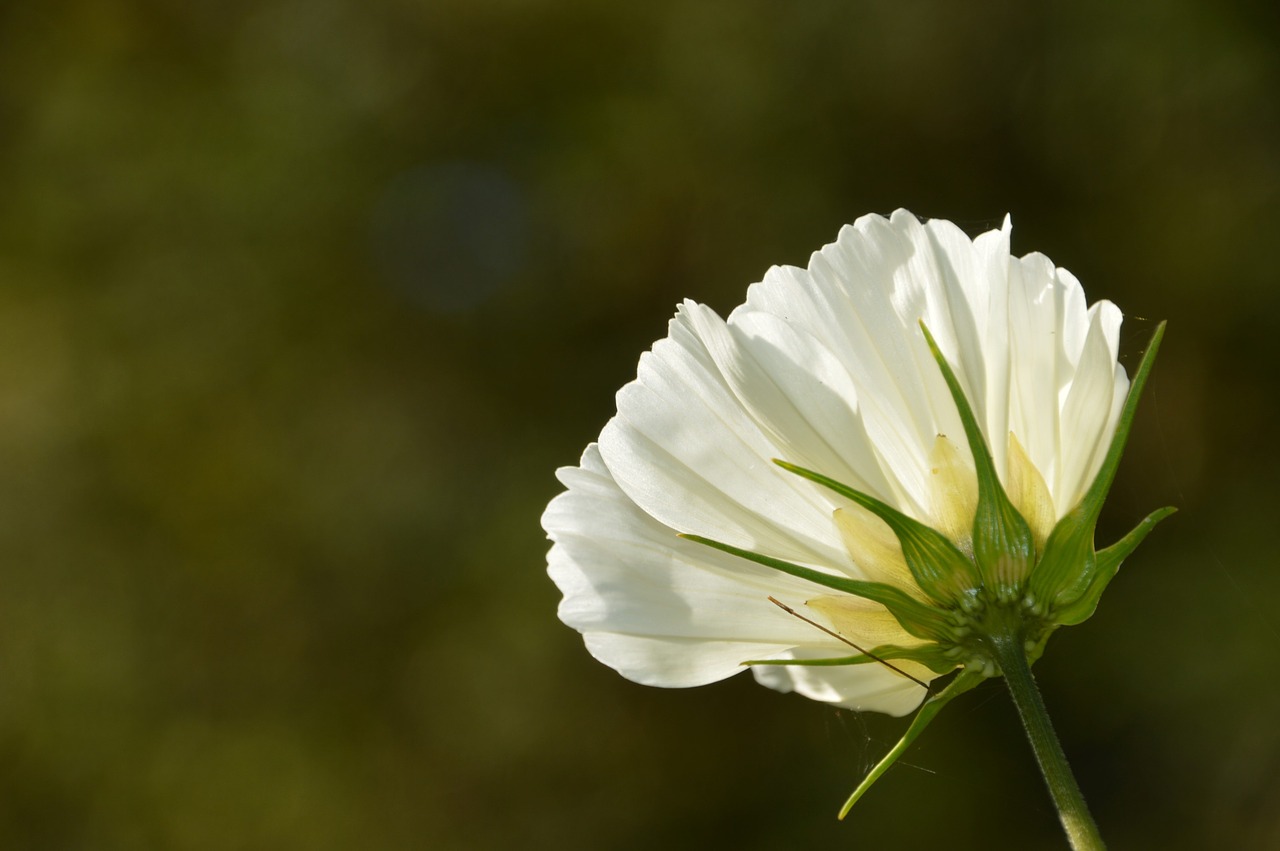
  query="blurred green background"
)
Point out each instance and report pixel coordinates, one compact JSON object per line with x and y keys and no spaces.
{"x":301,"y":304}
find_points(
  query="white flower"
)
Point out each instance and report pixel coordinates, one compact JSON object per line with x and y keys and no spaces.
{"x":830,"y":369}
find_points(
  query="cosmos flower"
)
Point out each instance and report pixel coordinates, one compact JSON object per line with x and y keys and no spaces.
{"x":871,"y":468}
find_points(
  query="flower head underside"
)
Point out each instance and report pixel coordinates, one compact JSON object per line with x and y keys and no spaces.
{"x":873,"y":466}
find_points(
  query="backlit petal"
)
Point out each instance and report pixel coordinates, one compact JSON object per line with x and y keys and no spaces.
{"x":826,"y":367}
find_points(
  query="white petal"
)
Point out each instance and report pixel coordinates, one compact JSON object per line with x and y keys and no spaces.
{"x":804,"y":398}
{"x":684,"y":449}
{"x":1086,"y":409}
{"x":861,"y":687}
{"x":975,"y":278}
{"x":954,"y":486}
{"x":1029,"y":493}
{"x":1067,"y":388}
{"x":875,"y":549}
{"x":863,"y":623}
{"x":1035,"y":339}
{"x":863,"y":297}
{"x":659,"y":609}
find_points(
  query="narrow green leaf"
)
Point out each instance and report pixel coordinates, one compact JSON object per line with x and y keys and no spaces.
{"x":929,"y":656}
{"x":962,"y":683}
{"x":1109,"y":559}
{"x":1003,"y":545}
{"x":939,"y":568}
{"x":920,"y":620}
{"x":1108,"y":562}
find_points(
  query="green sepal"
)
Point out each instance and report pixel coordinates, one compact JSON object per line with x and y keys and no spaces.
{"x":920,"y":620}
{"x":939,"y":568}
{"x":1068,"y":554}
{"x":927,"y":712}
{"x":1108,"y":562}
{"x":1003,"y":545}
{"x":930,"y":656}
{"x":1062,"y":577}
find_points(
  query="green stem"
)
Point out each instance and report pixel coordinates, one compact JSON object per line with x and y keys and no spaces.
{"x":1082,"y":831}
